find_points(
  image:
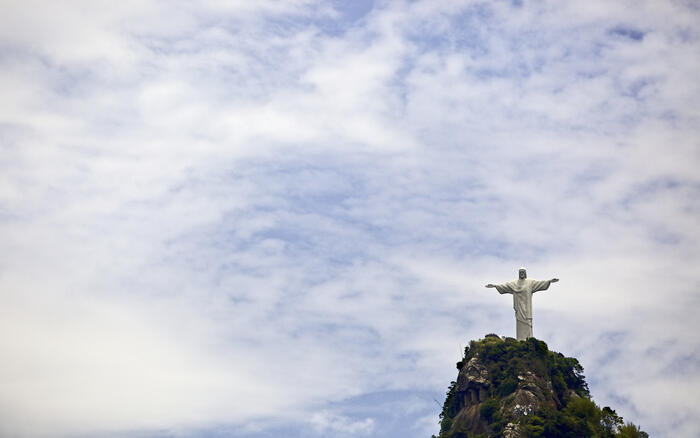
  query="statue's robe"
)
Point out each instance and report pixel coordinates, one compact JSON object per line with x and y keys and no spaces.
{"x":522,"y":290}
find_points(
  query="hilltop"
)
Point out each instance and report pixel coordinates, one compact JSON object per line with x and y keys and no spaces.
{"x":512,"y":389}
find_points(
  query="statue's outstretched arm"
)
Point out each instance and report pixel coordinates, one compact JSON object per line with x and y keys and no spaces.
{"x":538,"y":285}
{"x":504,"y":288}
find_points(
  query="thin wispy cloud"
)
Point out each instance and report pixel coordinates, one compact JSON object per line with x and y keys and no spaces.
{"x":278,"y":217}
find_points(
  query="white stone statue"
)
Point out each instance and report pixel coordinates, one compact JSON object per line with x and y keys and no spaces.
{"x":522,"y":290}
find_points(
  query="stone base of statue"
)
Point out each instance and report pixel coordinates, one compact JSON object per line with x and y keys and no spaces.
{"x":523,"y":329}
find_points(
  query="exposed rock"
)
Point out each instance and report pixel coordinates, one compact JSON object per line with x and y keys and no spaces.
{"x":511,"y":430}
{"x":531,"y":393}
{"x":473,"y":373}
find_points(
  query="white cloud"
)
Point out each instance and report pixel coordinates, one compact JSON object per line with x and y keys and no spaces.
{"x":326,"y":422}
{"x":222,"y":214}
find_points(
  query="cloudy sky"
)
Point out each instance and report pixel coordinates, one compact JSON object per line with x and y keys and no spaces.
{"x":276,"y":218}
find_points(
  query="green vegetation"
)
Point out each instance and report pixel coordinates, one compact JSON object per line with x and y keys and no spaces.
{"x":539,"y":392}
{"x":489,"y":410}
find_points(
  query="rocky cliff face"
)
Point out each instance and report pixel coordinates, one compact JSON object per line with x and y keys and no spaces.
{"x":512,"y":389}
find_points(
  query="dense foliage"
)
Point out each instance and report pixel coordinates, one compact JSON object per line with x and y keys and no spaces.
{"x":565,"y":411}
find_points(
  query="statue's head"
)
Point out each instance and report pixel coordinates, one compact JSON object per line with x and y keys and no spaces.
{"x":522,"y":273}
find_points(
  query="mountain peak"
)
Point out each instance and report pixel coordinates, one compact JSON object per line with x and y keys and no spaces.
{"x":509,"y":388}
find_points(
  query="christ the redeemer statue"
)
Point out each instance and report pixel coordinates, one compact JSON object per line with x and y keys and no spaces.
{"x":522,"y":290}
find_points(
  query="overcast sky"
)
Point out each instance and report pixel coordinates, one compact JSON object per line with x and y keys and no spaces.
{"x":276,"y":218}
